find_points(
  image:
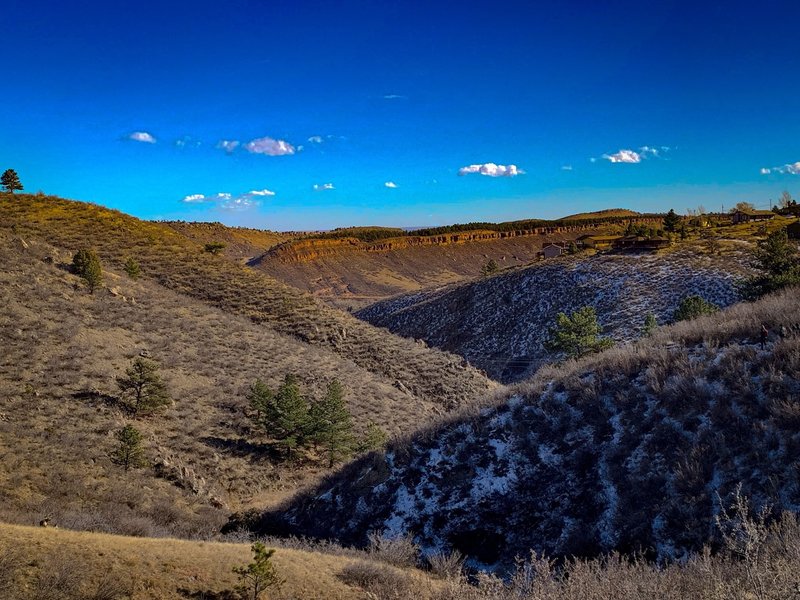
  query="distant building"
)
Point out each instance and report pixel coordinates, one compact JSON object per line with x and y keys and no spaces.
{"x":552,"y":250}
{"x":745,"y":216}
{"x":598,"y":242}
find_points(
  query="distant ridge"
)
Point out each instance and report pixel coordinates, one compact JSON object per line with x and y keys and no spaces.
{"x":603,"y":214}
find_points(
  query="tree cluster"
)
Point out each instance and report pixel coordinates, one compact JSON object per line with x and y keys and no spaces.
{"x":294,"y":423}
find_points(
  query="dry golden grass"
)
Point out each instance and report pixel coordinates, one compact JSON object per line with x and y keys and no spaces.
{"x":167,"y":568}
{"x":241,"y":243}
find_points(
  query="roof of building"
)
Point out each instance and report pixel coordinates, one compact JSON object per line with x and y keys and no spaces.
{"x":756,"y":213}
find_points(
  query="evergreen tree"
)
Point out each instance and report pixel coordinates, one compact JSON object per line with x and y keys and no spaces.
{"x":671,"y":221}
{"x":259,"y":575}
{"x":144,"y":386}
{"x":129,"y":452}
{"x":779,"y":261}
{"x":10,"y":180}
{"x":490,"y":267}
{"x":650,"y":325}
{"x":374,"y":438}
{"x":331,"y":425}
{"x":214,"y":247}
{"x":286,"y":416}
{"x":132,"y":268}
{"x":692,"y":307}
{"x":577,"y":334}
{"x":261,"y":399}
{"x":86,"y":264}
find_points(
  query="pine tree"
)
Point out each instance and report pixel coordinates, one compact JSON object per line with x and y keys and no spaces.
{"x":132,"y":268}
{"x":143,"y":384}
{"x":286,"y":416}
{"x":261,"y":399}
{"x":650,"y":324}
{"x":331,"y":425}
{"x":577,"y":334}
{"x":692,"y":307}
{"x":129,"y":453}
{"x":86,"y":264}
{"x":779,"y":260}
{"x":259,"y":575}
{"x":490,"y":267}
{"x":671,"y":221}
{"x":374,"y":438}
{"x":10,"y":180}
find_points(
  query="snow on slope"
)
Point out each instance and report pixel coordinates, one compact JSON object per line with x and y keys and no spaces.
{"x":500,"y":323}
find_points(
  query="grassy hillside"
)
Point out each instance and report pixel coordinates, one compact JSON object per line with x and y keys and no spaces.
{"x":602,"y":214}
{"x":500,"y":323}
{"x":180,"y":265}
{"x":44,"y":564}
{"x":241,"y":243}
{"x":633,"y":449}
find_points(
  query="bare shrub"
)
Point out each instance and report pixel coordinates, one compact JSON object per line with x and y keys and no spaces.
{"x":10,"y":563}
{"x":383,"y":582}
{"x":447,"y":565}
{"x":59,"y":578}
{"x":400,"y":551}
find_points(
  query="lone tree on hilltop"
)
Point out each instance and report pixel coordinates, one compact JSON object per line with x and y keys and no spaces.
{"x":259,"y":575}
{"x":144,"y":386}
{"x":577,"y":334}
{"x":129,"y":452}
{"x":692,"y":307}
{"x":86,"y":265}
{"x":10,"y":180}
{"x":331,"y":425}
{"x":672,"y":221}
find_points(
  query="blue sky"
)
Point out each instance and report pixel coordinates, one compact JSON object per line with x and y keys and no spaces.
{"x":400,"y":113}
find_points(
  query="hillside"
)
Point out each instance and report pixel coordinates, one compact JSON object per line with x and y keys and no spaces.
{"x":180,"y":265}
{"x":500,"y":323}
{"x":626,"y":450}
{"x":39,"y":564}
{"x":241,"y":243}
{"x":353,"y":273}
{"x":603,"y":214}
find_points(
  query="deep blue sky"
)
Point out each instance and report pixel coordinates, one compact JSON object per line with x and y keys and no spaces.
{"x":402,"y":93}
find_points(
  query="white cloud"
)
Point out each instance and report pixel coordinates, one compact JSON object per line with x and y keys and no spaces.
{"x":194,"y":198}
{"x":315,"y":139}
{"x":624,"y":156}
{"x":492,"y":170}
{"x":566,"y":168}
{"x":263,"y":192}
{"x":394,"y":97}
{"x":787,"y":169}
{"x":227,"y":201}
{"x":228,"y":145}
{"x":239,"y":203}
{"x":318,"y":187}
{"x":270,"y":147}
{"x":645,"y":150}
{"x":390,"y":184}
{"x":142,"y":136}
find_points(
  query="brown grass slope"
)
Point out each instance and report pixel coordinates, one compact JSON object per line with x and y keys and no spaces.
{"x":627,"y":450}
{"x":44,"y":564}
{"x":179,"y":264}
{"x":61,"y":351}
{"x":241,"y":243}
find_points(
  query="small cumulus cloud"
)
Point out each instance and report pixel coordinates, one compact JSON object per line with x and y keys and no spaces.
{"x":390,"y":184}
{"x":186,"y":140}
{"x":566,"y":168}
{"x":787,"y":169}
{"x":394,"y":97}
{"x":263,"y":192}
{"x":315,"y":139}
{"x":142,"y":136}
{"x":228,"y":145}
{"x":492,"y":170}
{"x":270,"y":147}
{"x":319,"y":187}
{"x":624,"y":156}
{"x":194,"y":198}
{"x":227,"y":201}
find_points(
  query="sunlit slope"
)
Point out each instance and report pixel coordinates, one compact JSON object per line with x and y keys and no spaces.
{"x":180,"y":265}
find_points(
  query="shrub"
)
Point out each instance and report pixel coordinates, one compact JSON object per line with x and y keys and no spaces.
{"x":381,"y":582}
{"x":400,"y":551}
{"x":692,"y":307}
{"x":86,"y":265}
{"x":650,"y":325}
{"x":577,"y":334}
{"x":374,"y":438}
{"x":214,"y":247}
{"x":446,"y":565}
{"x":132,"y":268}
{"x":490,"y":267}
